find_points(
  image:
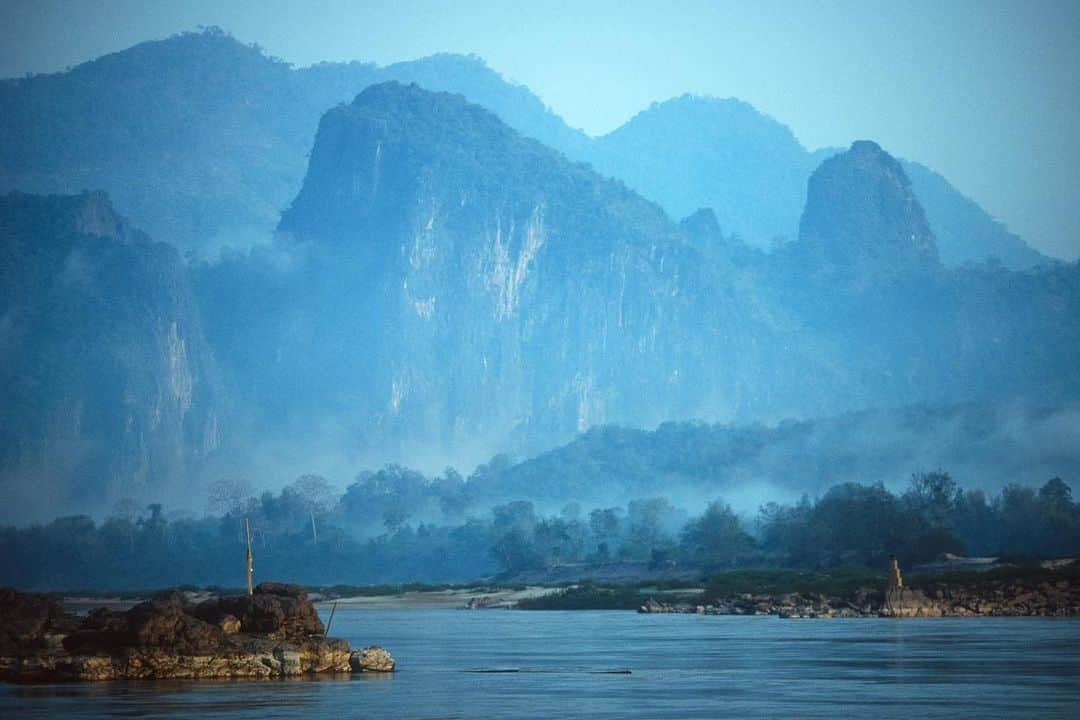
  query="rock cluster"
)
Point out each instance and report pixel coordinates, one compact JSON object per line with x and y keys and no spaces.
{"x":1048,"y":597}
{"x":273,"y":633}
{"x":789,"y":605}
{"x":991,"y":597}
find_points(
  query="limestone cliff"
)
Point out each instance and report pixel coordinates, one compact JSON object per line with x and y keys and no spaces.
{"x":442,"y":284}
{"x":456,"y":283}
{"x":107,"y":386}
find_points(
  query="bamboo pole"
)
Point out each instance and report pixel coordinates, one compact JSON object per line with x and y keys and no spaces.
{"x":247,"y":532}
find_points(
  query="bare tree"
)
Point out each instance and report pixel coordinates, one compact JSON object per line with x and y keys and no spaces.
{"x":317,"y":496}
{"x":229,"y":496}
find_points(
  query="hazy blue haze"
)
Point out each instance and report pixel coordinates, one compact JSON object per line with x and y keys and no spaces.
{"x":481,"y":251}
{"x":985,"y":93}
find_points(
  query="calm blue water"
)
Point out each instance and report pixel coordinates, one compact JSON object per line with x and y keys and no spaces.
{"x":683,"y":666}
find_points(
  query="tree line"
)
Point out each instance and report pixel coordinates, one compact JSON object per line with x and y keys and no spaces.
{"x":398,"y":526}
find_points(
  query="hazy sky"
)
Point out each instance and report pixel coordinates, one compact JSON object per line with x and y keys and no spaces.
{"x":987,"y":93}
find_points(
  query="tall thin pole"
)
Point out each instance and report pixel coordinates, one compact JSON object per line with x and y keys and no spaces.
{"x":247,"y":532}
{"x":330,"y":622}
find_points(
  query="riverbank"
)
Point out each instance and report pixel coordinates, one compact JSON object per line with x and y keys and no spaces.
{"x":1050,"y":591}
{"x":471,"y":598}
{"x":950,"y":587}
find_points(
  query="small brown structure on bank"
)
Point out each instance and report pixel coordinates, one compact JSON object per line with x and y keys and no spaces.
{"x":894,"y":589}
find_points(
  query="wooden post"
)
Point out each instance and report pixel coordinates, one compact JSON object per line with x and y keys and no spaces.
{"x":247,"y":532}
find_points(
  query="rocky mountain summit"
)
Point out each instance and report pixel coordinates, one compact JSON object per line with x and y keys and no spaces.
{"x":694,"y":151}
{"x":273,"y":633}
{"x":862,"y":219}
{"x":202,"y":141}
{"x":691,"y":152}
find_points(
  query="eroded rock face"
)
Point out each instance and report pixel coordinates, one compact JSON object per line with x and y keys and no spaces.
{"x":273,"y":633}
{"x":73,"y":262}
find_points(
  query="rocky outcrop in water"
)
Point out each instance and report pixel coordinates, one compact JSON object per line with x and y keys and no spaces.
{"x":273,"y":633}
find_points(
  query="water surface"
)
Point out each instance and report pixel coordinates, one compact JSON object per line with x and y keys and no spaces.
{"x":681,"y":666}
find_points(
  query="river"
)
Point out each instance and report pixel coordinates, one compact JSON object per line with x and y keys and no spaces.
{"x":570,"y":664}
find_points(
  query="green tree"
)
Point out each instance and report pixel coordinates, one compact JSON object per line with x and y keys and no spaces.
{"x":717,"y":538}
{"x":512,"y":543}
{"x":933,"y":498}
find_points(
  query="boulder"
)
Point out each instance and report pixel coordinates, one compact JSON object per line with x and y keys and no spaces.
{"x":229,"y":624}
{"x":288,"y":615}
{"x":29,"y":619}
{"x":371,"y":659}
{"x":655,"y":606}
